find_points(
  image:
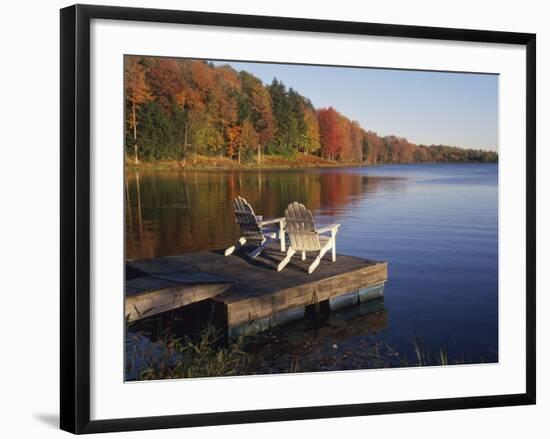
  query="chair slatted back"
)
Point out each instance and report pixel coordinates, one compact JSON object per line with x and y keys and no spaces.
{"x":246,"y":218}
{"x":300,"y":227}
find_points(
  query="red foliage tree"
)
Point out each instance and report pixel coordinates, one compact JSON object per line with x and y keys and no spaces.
{"x":330,"y":132}
{"x":165,"y":77}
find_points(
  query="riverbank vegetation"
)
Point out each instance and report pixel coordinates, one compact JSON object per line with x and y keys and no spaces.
{"x":205,"y":162}
{"x":206,"y":355}
{"x":187,"y":112}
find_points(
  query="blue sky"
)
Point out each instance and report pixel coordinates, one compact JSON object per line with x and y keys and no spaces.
{"x":458,"y":109}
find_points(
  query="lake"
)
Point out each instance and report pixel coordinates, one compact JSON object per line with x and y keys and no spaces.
{"x":435,"y":224}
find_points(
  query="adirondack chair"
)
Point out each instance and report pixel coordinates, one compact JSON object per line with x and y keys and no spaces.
{"x":306,"y":237}
{"x":254,"y":230}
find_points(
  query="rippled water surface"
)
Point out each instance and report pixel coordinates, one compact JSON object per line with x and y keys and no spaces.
{"x":436,"y":225}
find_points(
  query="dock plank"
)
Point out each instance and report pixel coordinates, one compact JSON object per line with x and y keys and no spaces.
{"x":163,"y":291}
{"x":246,"y":289}
{"x":170,"y":296}
{"x":244,"y":305}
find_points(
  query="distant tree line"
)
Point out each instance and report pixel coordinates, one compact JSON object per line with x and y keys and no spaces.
{"x":177,"y":108}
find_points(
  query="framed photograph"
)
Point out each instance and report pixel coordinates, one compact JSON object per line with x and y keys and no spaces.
{"x":268,"y":218}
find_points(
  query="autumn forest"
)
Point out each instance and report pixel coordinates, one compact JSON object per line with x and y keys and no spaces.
{"x":180,"y":108}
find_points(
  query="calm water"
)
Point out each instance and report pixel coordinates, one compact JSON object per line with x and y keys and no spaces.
{"x":436,"y":225}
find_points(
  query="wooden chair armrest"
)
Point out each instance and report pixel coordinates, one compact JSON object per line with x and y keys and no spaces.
{"x":270,"y":221}
{"x":328,"y":228}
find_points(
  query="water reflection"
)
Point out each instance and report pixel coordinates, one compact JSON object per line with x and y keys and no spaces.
{"x":175,"y":212}
{"x":344,"y":340}
{"x":435,"y":225}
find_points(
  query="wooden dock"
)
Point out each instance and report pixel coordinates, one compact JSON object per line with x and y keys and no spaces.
{"x":247,"y":293}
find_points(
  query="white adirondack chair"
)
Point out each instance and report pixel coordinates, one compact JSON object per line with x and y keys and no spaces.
{"x":254,"y":230}
{"x":306,"y":237}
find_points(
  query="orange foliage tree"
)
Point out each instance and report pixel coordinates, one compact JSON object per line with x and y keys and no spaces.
{"x":181,"y":103}
{"x":137,"y":93}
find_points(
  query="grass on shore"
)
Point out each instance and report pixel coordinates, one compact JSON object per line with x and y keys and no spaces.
{"x":300,"y":160}
{"x":207,"y":356}
{"x":203,"y":356}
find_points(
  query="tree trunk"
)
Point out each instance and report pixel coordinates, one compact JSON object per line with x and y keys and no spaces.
{"x":259,"y":153}
{"x":185,"y":139}
{"x":240,"y":146}
{"x":185,"y":144}
{"x":136,"y":161}
{"x":221,"y":146}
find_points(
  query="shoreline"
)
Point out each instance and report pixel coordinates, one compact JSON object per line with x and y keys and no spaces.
{"x":270,"y":163}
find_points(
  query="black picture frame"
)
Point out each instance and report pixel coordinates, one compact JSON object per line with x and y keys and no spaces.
{"x":75,"y":217}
